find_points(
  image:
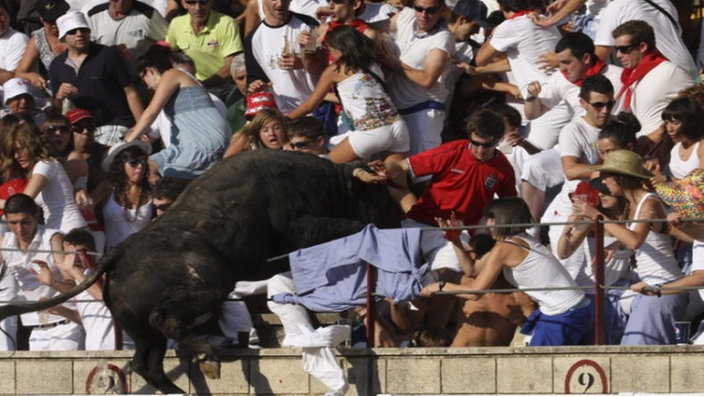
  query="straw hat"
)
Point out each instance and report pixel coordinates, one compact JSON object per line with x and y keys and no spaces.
{"x":624,"y":162}
{"x":118,"y":148}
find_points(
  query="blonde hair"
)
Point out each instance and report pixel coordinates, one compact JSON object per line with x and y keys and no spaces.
{"x":250,"y":132}
{"x":28,"y":138}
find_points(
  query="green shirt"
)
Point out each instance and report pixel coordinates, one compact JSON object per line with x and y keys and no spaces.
{"x":219,"y":39}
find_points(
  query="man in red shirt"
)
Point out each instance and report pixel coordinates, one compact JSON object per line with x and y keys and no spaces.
{"x":466,"y":175}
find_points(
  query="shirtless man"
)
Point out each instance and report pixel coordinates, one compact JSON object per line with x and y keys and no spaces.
{"x":492,"y":319}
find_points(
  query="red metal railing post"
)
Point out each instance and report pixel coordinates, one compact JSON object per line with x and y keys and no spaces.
{"x":599,"y":293}
{"x":371,"y":307}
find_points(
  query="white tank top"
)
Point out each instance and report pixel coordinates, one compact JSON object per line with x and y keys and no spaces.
{"x":365,"y":102}
{"x":655,"y":260}
{"x":121,"y":223}
{"x":680,"y":168}
{"x":541,"y":269}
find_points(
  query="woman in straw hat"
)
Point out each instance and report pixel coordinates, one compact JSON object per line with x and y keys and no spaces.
{"x":652,"y":320}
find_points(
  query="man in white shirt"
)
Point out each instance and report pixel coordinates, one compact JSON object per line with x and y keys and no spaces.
{"x":650,"y":81}
{"x":523,"y":43}
{"x":425,"y":47}
{"x":12,"y":45}
{"x":129,"y":24}
{"x":578,"y":61}
{"x":21,"y":258}
{"x":661,"y":15}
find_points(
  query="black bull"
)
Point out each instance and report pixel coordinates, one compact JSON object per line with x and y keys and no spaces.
{"x":162,"y":281}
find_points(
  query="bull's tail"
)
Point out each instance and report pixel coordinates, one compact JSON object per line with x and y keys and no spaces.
{"x":105,"y":265}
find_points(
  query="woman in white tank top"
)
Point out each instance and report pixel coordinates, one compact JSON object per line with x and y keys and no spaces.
{"x":652,"y":320}
{"x":565,"y":315}
{"x":126,"y":202}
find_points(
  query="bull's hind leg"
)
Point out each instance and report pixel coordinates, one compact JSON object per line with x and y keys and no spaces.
{"x":148,"y":362}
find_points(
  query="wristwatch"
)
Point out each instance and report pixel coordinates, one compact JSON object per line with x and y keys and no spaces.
{"x":441,"y":285}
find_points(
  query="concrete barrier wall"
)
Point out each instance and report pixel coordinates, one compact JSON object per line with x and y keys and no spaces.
{"x":661,"y":369}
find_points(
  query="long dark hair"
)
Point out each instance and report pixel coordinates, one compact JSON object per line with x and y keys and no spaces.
{"x":357,"y":50}
{"x":118,"y":178}
{"x":689,"y":113}
{"x":158,"y":57}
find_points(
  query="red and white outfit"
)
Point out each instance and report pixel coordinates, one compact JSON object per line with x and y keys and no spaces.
{"x":461,"y":184}
{"x":649,"y":87}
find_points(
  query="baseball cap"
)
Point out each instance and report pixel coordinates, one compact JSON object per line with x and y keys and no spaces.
{"x":71,"y":20}
{"x":15,"y":87}
{"x":473,"y":10}
{"x":259,"y":101}
{"x":51,"y":10}
{"x":77,"y":114}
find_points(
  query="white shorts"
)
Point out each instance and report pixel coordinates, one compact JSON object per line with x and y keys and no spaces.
{"x":424,"y":129}
{"x":544,"y":169}
{"x":392,"y":138}
{"x":544,"y":131}
{"x":64,"y":337}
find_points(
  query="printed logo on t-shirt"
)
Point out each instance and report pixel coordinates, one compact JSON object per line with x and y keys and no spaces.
{"x":213,"y":44}
{"x":490,"y":181}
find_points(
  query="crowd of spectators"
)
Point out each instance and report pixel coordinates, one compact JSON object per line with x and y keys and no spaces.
{"x":471,"y":111}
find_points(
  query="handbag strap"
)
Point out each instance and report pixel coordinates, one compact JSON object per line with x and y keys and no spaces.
{"x":667,"y":14}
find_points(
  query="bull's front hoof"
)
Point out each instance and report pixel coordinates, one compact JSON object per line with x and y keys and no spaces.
{"x":210,"y":368}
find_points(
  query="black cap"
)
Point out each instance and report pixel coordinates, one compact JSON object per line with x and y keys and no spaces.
{"x":473,"y":10}
{"x":51,"y":10}
{"x":598,"y":184}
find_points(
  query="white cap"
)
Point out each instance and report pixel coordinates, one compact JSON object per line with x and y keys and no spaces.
{"x":15,"y":87}
{"x":69,"y":21}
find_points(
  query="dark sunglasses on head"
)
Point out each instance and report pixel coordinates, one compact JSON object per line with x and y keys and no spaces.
{"x":601,"y":105}
{"x":56,"y":128}
{"x":624,"y":49}
{"x":136,"y":162}
{"x":429,"y":10}
{"x":485,"y":145}
{"x":300,"y":145}
{"x":74,"y":31}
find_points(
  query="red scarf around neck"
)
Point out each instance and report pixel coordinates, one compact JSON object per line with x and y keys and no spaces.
{"x":631,"y":76}
{"x":595,"y":69}
{"x":520,"y":13}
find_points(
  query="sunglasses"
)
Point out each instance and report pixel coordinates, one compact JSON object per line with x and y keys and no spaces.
{"x":57,"y":128}
{"x":485,"y":145}
{"x":300,"y":145}
{"x":428,"y":10}
{"x":601,"y":105}
{"x":162,"y":207}
{"x":193,"y":2}
{"x":135,"y":163}
{"x":74,"y":31}
{"x":624,"y":49}
{"x":83,"y":128}
{"x":337,"y":1}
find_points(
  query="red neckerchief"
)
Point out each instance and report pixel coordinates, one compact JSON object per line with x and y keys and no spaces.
{"x":632,"y":76}
{"x":358,"y":24}
{"x":595,"y":69}
{"x":520,"y":13}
